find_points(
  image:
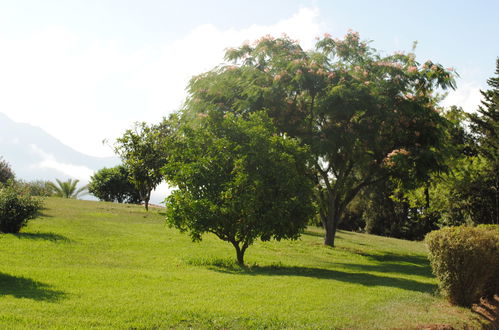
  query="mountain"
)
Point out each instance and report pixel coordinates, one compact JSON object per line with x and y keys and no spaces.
{"x":36,"y":155}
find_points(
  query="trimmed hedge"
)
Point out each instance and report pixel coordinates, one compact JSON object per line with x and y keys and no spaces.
{"x":465,"y":262}
{"x":16,"y":208}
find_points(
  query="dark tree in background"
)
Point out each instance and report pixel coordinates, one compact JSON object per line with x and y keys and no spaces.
{"x":6,"y":172}
{"x":113,"y":185}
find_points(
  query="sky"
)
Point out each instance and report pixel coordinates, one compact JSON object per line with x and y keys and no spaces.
{"x":85,"y":71}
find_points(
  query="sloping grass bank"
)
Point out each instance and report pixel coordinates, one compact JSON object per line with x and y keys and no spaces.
{"x":92,"y":264}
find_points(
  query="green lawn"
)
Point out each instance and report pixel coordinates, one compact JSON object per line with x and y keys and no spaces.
{"x":93,"y":264}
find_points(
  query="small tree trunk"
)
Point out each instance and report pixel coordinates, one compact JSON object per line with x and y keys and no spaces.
{"x":239,"y":252}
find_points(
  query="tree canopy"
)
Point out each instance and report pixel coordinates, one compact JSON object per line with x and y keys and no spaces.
{"x":113,"y":185}
{"x":238,"y":179}
{"x":364,"y":117}
{"x":6,"y":172}
{"x":143,"y":155}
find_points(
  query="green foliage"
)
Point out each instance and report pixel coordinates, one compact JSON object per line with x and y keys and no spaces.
{"x":485,"y":123}
{"x":464,"y":259}
{"x":36,"y":188}
{"x":67,"y":189}
{"x":113,"y":185}
{"x":467,"y":194}
{"x":6,"y":172}
{"x":238,"y":179}
{"x":16,"y":208}
{"x":142,"y":151}
{"x":364,"y":117}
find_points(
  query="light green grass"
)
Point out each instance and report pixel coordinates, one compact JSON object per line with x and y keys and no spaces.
{"x":92,"y":264}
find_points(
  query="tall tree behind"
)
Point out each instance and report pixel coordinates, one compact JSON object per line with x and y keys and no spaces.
{"x":6,"y":172}
{"x":142,"y":153}
{"x":485,"y":125}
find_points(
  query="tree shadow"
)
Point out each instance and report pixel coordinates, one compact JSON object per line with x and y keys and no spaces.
{"x":42,"y":213}
{"x":43,"y":236}
{"x":21,"y":287}
{"x":313,"y":233}
{"x":395,"y":264}
{"x":368,"y":280}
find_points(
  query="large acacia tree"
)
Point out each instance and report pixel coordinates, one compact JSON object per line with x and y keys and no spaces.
{"x":364,"y":116}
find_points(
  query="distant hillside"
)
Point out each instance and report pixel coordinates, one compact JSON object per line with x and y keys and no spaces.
{"x":36,"y":155}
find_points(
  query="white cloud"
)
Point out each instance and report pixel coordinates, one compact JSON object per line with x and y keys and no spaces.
{"x":49,"y":161}
{"x":467,"y":96}
{"x":84,"y":91}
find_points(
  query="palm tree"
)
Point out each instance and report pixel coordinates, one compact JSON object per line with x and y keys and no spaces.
{"x":67,"y":189}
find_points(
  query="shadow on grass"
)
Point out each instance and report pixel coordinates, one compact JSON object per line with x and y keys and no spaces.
{"x":395,"y":264}
{"x":313,"y":233}
{"x":369,"y":280}
{"x":21,"y":287}
{"x":43,"y":236}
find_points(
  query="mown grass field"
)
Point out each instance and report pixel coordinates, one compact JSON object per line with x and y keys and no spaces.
{"x":89,"y":264}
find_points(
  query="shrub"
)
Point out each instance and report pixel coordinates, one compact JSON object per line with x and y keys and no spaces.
{"x":16,"y":208}
{"x":6,"y":172}
{"x":463,"y":259}
{"x":35,"y":188}
{"x":112,"y":185}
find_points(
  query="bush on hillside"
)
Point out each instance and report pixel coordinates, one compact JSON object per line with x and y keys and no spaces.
{"x":6,"y":172}
{"x":35,"y":188}
{"x":464,"y":260}
{"x":16,"y":208}
{"x":113,"y":185}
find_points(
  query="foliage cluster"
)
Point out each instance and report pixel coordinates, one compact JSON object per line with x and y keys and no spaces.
{"x":6,"y":172}
{"x":67,"y":189}
{"x":113,"y":185}
{"x":16,"y":208}
{"x":40,"y":188}
{"x":142,"y":151}
{"x":464,"y":259}
{"x":238,"y":179}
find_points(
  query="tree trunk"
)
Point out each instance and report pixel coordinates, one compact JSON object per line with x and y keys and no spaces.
{"x":146,"y":200}
{"x":239,"y":252}
{"x":330,"y":227}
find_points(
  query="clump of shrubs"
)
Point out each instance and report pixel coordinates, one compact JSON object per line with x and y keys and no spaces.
{"x":16,"y":208}
{"x":465,"y":261}
{"x":36,"y":188}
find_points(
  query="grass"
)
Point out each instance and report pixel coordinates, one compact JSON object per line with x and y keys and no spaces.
{"x":89,"y":264}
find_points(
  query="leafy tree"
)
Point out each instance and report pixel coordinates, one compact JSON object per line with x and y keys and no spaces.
{"x":364,"y":117}
{"x":238,"y":179}
{"x":6,"y":172}
{"x":67,"y":189}
{"x":143,"y":154}
{"x":113,"y":185}
{"x":485,"y":123}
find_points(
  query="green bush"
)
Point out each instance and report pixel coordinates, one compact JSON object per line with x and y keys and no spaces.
{"x":464,"y":260}
{"x":35,"y":188}
{"x":16,"y":208}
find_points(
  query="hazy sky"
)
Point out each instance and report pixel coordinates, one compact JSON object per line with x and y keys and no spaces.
{"x":84,"y":71}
